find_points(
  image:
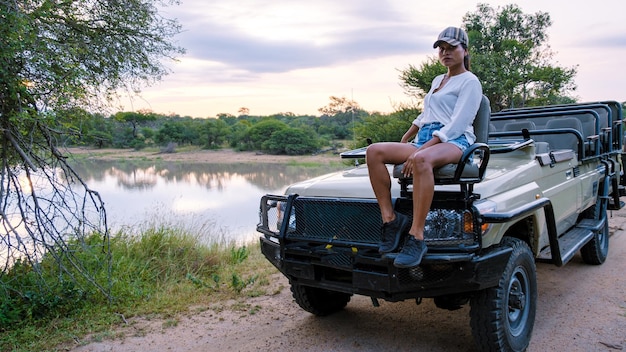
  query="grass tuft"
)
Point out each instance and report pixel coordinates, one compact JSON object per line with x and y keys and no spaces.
{"x":161,"y":272}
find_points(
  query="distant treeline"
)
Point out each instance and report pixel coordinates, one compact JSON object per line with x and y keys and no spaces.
{"x":283,"y":133}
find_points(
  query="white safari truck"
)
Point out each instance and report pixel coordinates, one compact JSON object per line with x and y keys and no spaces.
{"x":536,"y":186}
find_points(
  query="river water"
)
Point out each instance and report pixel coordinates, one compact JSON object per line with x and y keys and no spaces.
{"x":220,"y":202}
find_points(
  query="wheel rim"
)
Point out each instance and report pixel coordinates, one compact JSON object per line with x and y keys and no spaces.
{"x":518,"y":301}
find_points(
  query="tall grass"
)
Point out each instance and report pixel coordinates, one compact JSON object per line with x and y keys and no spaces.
{"x":162,"y":271}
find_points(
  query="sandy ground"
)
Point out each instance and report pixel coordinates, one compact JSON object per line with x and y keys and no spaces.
{"x":580,"y":308}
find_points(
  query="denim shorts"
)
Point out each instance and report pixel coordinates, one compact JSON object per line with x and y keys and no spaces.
{"x":425,"y":134}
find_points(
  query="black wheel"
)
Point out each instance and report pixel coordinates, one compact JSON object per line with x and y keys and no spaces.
{"x":319,"y":301}
{"x":596,"y":251}
{"x":502,"y":317}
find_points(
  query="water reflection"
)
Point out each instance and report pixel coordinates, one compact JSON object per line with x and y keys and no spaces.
{"x":220,"y":199}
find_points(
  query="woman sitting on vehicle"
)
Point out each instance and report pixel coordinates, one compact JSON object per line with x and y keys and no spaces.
{"x":444,"y":130}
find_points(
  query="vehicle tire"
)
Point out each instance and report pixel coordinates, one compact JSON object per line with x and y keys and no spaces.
{"x":596,"y":251}
{"x":319,"y":301}
{"x":502,"y":317}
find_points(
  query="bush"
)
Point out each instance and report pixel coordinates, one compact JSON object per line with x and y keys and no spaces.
{"x":54,"y":285}
{"x":160,"y":271}
{"x":291,"y":141}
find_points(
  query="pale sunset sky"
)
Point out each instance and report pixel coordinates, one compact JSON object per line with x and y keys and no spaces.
{"x":273,"y":56}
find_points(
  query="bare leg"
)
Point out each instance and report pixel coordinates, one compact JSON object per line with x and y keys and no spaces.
{"x":423,"y":180}
{"x":377,"y":157}
{"x":421,"y":164}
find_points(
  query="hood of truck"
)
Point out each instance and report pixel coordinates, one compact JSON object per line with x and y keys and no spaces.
{"x":351,"y":183}
{"x":505,"y":172}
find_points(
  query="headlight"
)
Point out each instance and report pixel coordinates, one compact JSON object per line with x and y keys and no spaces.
{"x":448,"y":224}
{"x":281,"y":208}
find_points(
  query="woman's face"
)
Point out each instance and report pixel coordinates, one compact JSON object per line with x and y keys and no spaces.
{"x":451,"y":56}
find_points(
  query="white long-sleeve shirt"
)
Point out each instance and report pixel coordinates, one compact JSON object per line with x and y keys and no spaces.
{"x":455,"y":106}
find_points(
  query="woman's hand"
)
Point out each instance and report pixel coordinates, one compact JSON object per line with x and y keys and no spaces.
{"x":409,"y":165}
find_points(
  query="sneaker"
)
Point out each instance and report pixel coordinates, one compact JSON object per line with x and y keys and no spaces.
{"x":392,"y":232}
{"x":411,"y":253}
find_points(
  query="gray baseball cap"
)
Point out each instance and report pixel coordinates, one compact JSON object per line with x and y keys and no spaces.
{"x":453,"y":36}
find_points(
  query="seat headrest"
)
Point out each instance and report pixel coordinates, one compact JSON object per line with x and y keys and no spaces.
{"x":481,"y":121}
{"x":519,"y":125}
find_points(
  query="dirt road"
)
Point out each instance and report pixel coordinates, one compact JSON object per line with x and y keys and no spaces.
{"x":580,"y":308}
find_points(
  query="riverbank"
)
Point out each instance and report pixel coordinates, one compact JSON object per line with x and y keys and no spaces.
{"x":241,"y":323}
{"x":580,"y":308}
{"x":221,"y":156}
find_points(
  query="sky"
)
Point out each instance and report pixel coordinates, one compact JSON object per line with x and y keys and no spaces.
{"x":279,"y":56}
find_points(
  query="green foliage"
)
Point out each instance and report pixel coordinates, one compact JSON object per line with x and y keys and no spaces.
{"x":238,"y":284}
{"x":385,"y":128}
{"x":143,"y":129}
{"x":156,"y":257}
{"x":72,"y":53}
{"x":162,"y":270}
{"x":58,"y":60}
{"x":291,"y":141}
{"x":417,"y":81}
{"x":135,"y":119}
{"x":182,"y":131}
{"x":339,"y":105}
{"x":239,"y":137}
{"x":511,"y":57}
{"x":238,"y":255}
{"x":263,"y":131}
{"x":170,"y":132}
{"x":298,"y":134}
{"x":215,"y":133}
{"x":30,"y":291}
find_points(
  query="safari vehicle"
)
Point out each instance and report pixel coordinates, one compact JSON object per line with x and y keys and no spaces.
{"x":535,"y":187}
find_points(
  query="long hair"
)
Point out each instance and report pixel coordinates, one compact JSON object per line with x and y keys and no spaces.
{"x":466,"y":59}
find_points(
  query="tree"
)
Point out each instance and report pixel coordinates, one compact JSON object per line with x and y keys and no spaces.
{"x":170,"y":132}
{"x":262,"y":131}
{"x":54,"y":56}
{"x":512,"y":58}
{"x":339,"y":105}
{"x":291,"y":141}
{"x":239,"y":138}
{"x":385,"y":128}
{"x":78,"y":123}
{"x":417,"y":81}
{"x":215,"y":132}
{"x":339,"y":117}
{"x":135,"y":118}
{"x":510,"y":55}
{"x":225,"y":116}
{"x":243,"y":111}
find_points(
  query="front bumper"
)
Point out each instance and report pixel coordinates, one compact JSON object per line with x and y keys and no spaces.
{"x":332,"y":243}
{"x":365,"y":272}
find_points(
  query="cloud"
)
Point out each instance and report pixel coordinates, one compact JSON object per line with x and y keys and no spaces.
{"x":285,"y":55}
{"x":614,"y":40}
{"x":239,"y":50}
{"x":280,"y":44}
